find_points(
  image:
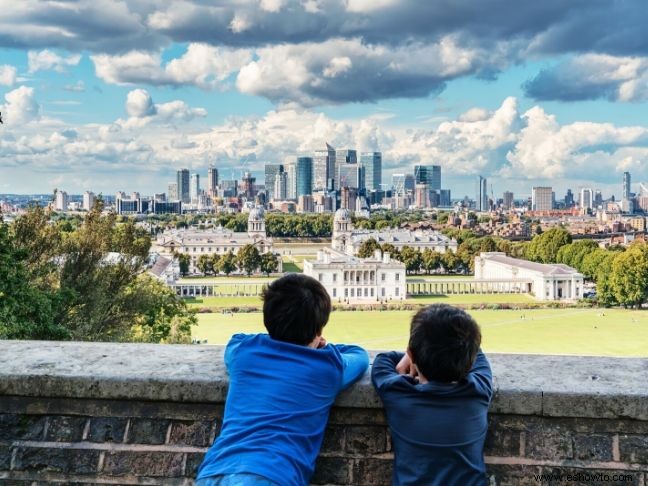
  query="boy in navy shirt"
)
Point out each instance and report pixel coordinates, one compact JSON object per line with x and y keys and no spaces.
{"x":436,"y":397}
{"x":282,"y":386}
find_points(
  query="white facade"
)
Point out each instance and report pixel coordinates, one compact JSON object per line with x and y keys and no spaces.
{"x":347,"y":278}
{"x":348,"y":240}
{"x":549,"y":281}
{"x":62,"y":201}
{"x":88,"y":200}
{"x":541,"y":199}
{"x":215,"y":241}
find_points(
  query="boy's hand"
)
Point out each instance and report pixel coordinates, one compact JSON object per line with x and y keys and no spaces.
{"x":405,"y":367}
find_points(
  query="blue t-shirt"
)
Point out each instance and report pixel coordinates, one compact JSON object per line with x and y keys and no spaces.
{"x":277,"y":406}
{"x":438,"y":429}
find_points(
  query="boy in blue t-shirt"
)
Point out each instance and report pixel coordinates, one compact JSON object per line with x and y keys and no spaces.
{"x":436,"y":397}
{"x":282,"y":386}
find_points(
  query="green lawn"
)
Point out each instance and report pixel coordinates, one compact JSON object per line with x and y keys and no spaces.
{"x":613,"y":332}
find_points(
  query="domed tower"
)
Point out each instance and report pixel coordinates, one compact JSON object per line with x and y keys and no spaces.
{"x":342,"y":229}
{"x":256,"y":223}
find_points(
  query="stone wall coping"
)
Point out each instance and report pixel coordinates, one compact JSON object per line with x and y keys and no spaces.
{"x":557,"y":386}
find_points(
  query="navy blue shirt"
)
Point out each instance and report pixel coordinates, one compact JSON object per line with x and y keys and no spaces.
{"x":277,"y":406}
{"x":438,"y":429}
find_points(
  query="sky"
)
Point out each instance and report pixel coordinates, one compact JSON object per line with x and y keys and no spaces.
{"x":109,"y":95}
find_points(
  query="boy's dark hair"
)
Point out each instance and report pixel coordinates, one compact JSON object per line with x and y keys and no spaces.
{"x":444,"y":342}
{"x":295,"y":308}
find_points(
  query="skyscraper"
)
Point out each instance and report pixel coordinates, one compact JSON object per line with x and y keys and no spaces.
{"x":212,"y":181}
{"x":541,"y":199}
{"x":173,"y":191}
{"x":280,"y":186}
{"x":372,"y":164}
{"x":291,"y":170}
{"x":398,"y":183}
{"x":428,"y":174}
{"x":194,"y":188}
{"x":182,"y":181}
{"x":445,"y":200}
{"x":351,"y":175}
{"x":481,"y":195}
{"x":271,"y":171}
{"x":508,"y":199}
{"x":88,"y":200}
{"x":343,"y":157}
{"x":323,"y":169}
{"x":304,"y":176}
{"x":569,"y":199}
{"x":626,"y":186}
{"x":586,"y":198}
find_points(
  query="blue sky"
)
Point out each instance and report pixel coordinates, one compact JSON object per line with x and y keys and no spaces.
{"x":117,"y":95}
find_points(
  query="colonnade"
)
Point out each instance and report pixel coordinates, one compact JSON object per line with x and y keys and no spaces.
{"x":469,"y":286}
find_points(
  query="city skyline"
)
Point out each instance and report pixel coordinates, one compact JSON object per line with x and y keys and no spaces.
{"x":119,"y":96}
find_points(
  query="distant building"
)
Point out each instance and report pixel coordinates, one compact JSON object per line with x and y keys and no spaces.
{"x":194,"y":188}
{"x":215,"y":241}
{"x":323,"y":169}
{"x":544,"y":281}
{"x":352,"y":176}
{"x":88,"y":200}
{"x":61,"y":201}
{"x":348,"y":240}
{"x":304,"y":176}
{"x":371,"y":162}
{"x":323,"y":202}
{"x":569,"y":199}
{"x":481,"y":195}
{"x":445,"y":199}
{"x":212,"y":181}
{"x":305,"y":204}
{"x":586,"y":198}
{"x":421,"y":196}
{"x":173,"y":191}
{"x":271,"y":171}
{"x":508,"y":200}
{"x":541,"y":199}
{"x":247,"y":186}
{"x":229,"y":188}
{"x":428,"y":174}
{"x":347,"y":278}
{"x":343,"y":157}
{"x":183,"y":183}
{"x":626,"y":186}
{"x":280,"y":187}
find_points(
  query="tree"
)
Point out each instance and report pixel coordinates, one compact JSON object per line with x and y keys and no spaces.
{"x":391,"y":249}
{"x":227,"y":263}
{"x":629,"y":277}
{"x":368,"y":247}
{"x":450,"y":261}
{"x":544,"y":248}
{"x":248,"y":258}
{"x":431,"y":260}
{"x":574,"y":253}
{"x":183,"y":261}
{"x":269,"y":263}
{"x":205,"y":264}
{"x":412,"y":259}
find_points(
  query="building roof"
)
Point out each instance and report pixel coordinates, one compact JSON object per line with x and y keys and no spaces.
{"x":549,"y":269}
{"x":402,"y":236}
{"x":160,"y":265}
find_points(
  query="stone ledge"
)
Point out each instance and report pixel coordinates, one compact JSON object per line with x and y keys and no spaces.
{"x":557,"y":386}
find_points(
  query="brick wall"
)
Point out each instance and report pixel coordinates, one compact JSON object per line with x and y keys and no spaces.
{"x":94,"y":414}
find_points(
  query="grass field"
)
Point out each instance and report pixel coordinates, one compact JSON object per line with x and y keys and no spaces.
{"x":227,"y":302}
{"x":613,"y":332}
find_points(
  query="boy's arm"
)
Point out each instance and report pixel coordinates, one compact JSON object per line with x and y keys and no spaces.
{"x":384,"y":368}
{"x":482,"y":374}
{"x":231,"y":348}
{"x":355,"y":361}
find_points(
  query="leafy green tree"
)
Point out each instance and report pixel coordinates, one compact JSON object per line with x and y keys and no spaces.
{"x":248,"y":258}
{"x":442,"y":217}
{"x":183,"y":261}
{"x":574,"y":253}
{"x":392,"y":250}
{"x":227,"y":263}
{"x":269,"y":263}
{"x":450,"y":261}
{"x":368,"y":247}
{"x":205,"y":264}
{"x":431,"y":260}
{"x":629,"y":277}
{"x":412,"y":259}
{"x":544,"y":248}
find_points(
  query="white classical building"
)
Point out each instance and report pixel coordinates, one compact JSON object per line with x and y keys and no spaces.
{"x":348,"y":278}
{"x":348,"y":240}
{"x":216,"y":241}
{"x":548,"y":281}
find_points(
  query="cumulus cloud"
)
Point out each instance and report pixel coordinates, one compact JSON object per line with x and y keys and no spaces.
{"x":592,"y":76}
{"x":47,"y":60}
{"x":20,"y":106}
{"x":201,"y":65}
{"x":7,"y":75}
{"x":339,"y":70}
{"x":142,"y":111}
